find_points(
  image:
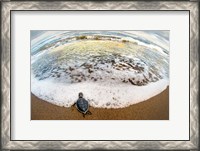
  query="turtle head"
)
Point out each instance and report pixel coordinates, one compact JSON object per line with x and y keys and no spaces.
{"x":80,"y":95}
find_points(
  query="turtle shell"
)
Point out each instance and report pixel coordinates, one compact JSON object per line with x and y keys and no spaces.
{"x":82,"y":105}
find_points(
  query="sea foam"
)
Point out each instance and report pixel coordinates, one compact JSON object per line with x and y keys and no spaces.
{"x":100,"y":95}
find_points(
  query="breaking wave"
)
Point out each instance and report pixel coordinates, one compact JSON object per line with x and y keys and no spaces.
{"x":113,"y":70}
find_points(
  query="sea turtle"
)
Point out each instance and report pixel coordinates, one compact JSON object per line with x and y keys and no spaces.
{"x":82,"y":105}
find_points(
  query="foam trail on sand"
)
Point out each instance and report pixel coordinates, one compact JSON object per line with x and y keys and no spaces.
{"x":100,"y":95}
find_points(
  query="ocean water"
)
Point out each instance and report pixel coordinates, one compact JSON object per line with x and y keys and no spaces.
{"x":113,"y":69}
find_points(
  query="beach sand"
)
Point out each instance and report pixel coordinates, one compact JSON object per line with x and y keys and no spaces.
{"x":156,"y":108}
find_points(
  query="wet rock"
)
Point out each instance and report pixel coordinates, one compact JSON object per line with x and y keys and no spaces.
{"x":114,"y":98}
{"x":113,"y":61}
{"x":71,"y":69}
{"x":145,"y":78}
{"x":88,"y":66}
{"x":90,"y":70}
{"x":139,"y":83}
{"x":131,"y":81}
{"x":108,"y":104}
{"x":125,"y":81}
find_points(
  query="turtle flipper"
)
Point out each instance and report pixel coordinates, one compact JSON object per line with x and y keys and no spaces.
{"x":89,"y":113}
{"x":74,"y":104}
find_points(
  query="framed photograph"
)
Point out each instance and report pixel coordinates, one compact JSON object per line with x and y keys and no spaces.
{"x":100,"y":75}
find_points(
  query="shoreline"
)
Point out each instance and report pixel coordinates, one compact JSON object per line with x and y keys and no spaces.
{"x":155,"y":108}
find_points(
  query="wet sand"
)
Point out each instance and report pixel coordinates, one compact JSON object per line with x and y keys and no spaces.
{"x":156,"y":108}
